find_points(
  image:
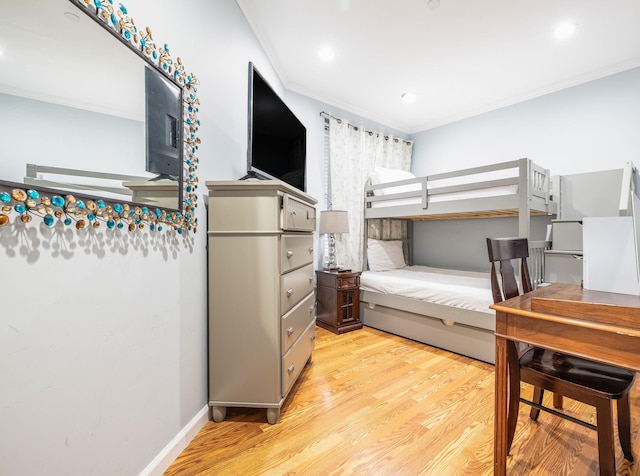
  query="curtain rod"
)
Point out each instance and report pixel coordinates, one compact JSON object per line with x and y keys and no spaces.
{"x":327,"y":116}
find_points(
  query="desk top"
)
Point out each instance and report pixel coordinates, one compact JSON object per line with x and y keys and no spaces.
{"x":595,"y":325}
{"x":583,"y":307}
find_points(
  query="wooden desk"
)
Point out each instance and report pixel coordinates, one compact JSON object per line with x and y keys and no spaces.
{"x":594,"y":325}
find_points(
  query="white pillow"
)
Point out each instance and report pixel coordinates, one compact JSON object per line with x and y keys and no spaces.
{"x":385,"y":255}
{"x":383,"y":175}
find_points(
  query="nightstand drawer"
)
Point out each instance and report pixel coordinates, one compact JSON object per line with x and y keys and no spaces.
{"x":338,"y":280}
{"x":295,"y":286}
{"x":296,"y":321}
{"x":347,"y":282}
{"x":295,"y":251}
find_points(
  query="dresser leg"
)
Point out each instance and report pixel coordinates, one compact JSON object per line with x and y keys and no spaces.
{"x":218,"y":413}
{"x":273,"y":415}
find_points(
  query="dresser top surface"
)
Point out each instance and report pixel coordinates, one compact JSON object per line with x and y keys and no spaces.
{"x":258,"y":185}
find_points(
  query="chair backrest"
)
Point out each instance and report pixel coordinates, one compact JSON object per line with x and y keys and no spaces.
{"x":503,"y":250}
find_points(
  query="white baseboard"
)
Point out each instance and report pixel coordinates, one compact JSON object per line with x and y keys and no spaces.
{"x":170,"y":452}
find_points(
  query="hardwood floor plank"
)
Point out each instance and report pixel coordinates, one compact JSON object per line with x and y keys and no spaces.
{"x":372,"y":403}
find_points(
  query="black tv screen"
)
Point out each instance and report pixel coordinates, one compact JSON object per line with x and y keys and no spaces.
{"x":163,"y":124}
{"x":277,"y":139}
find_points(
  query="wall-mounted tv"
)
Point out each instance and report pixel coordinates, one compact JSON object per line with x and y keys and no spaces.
{"x":277,"y":140}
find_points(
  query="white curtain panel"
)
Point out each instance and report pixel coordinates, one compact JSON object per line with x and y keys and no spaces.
{"x":353,"y":154}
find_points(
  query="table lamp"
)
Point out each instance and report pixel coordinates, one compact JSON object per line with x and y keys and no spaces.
{"x":332,"y":222}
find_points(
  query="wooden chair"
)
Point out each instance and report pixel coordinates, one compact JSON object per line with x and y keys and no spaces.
{"x":589,"y":382}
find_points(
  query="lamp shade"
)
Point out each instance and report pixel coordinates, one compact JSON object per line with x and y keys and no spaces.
{"x":334,"y":221}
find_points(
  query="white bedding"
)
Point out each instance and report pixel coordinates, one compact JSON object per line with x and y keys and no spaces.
{"x":462,"y":289}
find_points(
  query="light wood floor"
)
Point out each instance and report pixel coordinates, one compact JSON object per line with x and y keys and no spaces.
{"x":376,"y":404}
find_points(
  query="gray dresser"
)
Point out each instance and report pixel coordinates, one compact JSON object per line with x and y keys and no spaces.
{"x":261,"y":299}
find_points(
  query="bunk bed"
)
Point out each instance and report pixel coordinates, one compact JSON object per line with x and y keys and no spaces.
{"x":446,"y":308}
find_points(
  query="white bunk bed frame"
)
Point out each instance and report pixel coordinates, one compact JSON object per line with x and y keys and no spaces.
{"x":630,"y":192}
{"x":462,"y":331}
{"x":533,"y":195}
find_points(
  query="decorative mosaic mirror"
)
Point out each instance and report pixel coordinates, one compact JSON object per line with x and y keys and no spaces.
{"x":98,"y":123}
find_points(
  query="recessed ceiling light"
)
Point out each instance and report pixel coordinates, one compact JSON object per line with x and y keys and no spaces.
{"x":409,"y":97}
{"x":565,"y":30}
{"x":326,"y":53}
{"x":433,"y":4}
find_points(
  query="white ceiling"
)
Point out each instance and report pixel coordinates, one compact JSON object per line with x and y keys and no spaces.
{"x":463,"y":58}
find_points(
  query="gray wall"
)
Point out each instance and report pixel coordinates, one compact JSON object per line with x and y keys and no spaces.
{"x":103,"y":346}
{"x":66,"y":137}
{"x":461,"y":244}
{"x":586,"y":128}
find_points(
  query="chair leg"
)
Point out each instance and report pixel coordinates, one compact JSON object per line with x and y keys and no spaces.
{"x":557,"y":400}
{"x":624,"y":427}
{"x":538,"y":394}
{"x":606,"y":450}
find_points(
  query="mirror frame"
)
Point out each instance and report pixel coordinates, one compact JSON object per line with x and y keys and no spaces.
{"x":85,"y":210}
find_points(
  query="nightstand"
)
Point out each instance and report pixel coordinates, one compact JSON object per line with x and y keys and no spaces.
{"x":338,"y":301}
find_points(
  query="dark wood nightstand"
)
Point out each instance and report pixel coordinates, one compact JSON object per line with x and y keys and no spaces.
{"x":338,"y":301}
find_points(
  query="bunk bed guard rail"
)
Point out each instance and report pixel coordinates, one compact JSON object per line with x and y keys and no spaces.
{"x":536,"y":261}
{"x":471,"y":180}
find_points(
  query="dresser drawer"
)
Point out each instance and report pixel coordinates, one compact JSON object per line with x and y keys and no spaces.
{"x":297,"y":215}
{"x":296,"y":321}
{"x":295,"y":251}
{"x":294,"y":286}
{"x":294,"y":360}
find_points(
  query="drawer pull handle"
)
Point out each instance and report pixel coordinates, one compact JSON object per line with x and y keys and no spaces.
{"x":311,"y":308}
{"x":313,"y":337}
{"x":289,"y":253}
{"x":293,"y":212}
{"x":289,"y":292}
{"x":290,"y":331}
{"x":311,"y":250}
{"x":310,"y":279}
{"x":291,"y":368}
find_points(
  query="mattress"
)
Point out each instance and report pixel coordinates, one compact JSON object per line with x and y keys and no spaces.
{"x":445,"y":197}
{"x":462,"y":289}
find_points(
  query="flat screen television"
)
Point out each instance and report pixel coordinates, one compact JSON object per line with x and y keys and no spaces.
{"x":277,"y":140}
{"x":162,"y":126}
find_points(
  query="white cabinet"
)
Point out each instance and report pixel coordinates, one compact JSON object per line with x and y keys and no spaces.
{"x":611,"y":255}
{"x":261,"y":302}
